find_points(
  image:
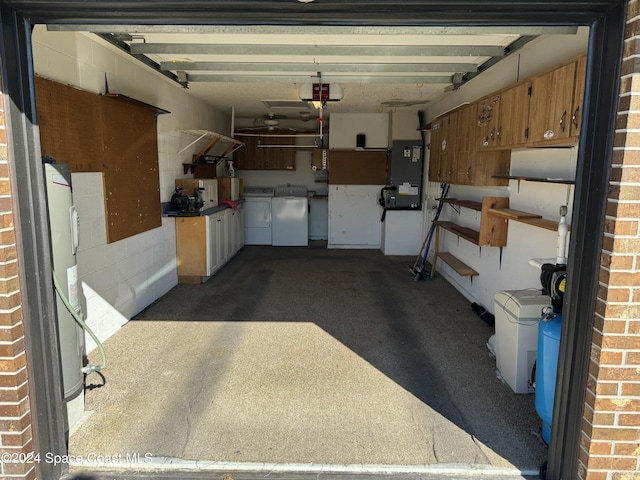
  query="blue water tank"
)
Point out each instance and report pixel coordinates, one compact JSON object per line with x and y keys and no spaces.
{"x":546,"y":370}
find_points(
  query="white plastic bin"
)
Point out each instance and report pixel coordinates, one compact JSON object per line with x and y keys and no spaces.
{"x":517,"y":315}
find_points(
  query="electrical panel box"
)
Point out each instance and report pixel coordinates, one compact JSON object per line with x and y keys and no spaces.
{"x":405,"y":174}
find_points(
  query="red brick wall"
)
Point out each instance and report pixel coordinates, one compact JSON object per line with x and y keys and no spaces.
{"x":15,"y":412}
{"x":610,"y":447}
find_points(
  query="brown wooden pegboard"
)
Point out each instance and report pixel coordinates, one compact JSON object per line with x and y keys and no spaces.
{"x":70,"y":123}
{"x":94,"y":133}
{"x":358,"y":167}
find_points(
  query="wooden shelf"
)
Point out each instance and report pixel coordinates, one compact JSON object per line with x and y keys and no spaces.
{"x":477,"y":206}
{"x":511,"y":214}
{"x":218,"y":147}
{"x":460,"y":267}
{"x":525,"y":217}
{"x":468,"y":234}
{"x":563,"y":181}
{"x":542,"y":223}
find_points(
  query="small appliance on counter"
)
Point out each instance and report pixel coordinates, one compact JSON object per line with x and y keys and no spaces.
{"x":193,"y":195}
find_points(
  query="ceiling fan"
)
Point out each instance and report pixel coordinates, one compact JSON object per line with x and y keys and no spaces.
{"x":272,"y":120}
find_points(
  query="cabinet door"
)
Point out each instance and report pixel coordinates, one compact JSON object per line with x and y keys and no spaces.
{"x":233,"y":232}
{"x":578,"y":96}
{"x":240,"y":226}
{"x":465,"y":143}
{"x":514,"y":115}
{"x":435,"y":151}
{"x":448,"y":149}
{"x":213,"y":259}
{"x":245,"y":157}
{"x":551,"y":102}
{"x":191,"y":246}
{"x":225,"y":237}
{"x":488,"y":121}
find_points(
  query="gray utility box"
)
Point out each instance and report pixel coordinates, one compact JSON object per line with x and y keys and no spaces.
{"x":405,"y":173}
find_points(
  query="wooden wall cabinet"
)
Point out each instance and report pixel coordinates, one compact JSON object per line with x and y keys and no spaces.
{"x":257,"y":154}
{"x":442,"y":155}
{"x":551,"y":105}
{"x":434,"y":150}
{"x":578,"y":96}
{"x":465,"y":145}
{"x":513,"y":126}
{"x":489,"y":121}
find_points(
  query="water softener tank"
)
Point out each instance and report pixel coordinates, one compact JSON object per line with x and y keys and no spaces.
{"x":546,"y":369}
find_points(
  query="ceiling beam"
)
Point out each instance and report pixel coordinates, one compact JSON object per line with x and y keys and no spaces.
{"x":446,"y":79}
{"x":316,"y":30}
{"x":316,"y":67}
{"x":312,"y":50}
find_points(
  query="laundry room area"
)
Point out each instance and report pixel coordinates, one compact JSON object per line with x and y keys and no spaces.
{"x":290,"y":288}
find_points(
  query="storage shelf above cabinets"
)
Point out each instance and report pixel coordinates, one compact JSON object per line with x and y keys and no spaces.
{"x":524,"y":217}
{"x":217,"y":148}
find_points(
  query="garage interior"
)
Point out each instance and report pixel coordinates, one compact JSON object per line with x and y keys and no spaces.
{"x":271,"y":297}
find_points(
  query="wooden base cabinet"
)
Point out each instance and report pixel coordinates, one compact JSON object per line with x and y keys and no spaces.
{"x":205,"y":244}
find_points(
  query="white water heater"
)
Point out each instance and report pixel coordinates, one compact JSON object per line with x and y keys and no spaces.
{"x":63,"y":223}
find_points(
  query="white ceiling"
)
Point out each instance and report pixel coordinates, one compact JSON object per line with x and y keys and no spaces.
{"x":377,"y":68}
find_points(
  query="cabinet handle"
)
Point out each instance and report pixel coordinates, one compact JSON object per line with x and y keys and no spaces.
{"x":499,"y":132}
{"x":574,"y":117}
{"x":563,"y":119}
{"x":492,"y":134}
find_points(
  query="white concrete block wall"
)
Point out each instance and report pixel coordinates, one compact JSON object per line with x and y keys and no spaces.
{"x":121,"y":279}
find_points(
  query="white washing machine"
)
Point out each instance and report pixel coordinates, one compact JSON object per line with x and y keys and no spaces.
{"x":257,"y":215}
{"x":290,"y":213}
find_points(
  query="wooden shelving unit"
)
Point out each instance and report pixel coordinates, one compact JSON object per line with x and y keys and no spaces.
{"x":492,"y":232}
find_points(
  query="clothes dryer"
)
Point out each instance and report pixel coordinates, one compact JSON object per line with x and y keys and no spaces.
{"x":257,"y":215}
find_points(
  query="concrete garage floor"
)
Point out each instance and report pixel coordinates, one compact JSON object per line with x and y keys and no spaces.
{"x":314,"y":357}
